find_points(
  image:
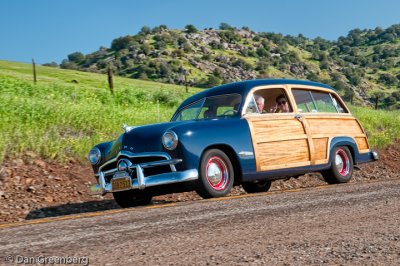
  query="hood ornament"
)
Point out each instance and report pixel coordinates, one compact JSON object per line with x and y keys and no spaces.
{"x":127,"y":128}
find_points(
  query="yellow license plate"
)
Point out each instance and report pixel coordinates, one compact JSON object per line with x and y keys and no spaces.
{"x":122,"y":183}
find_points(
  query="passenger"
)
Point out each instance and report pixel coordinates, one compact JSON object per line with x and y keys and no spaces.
{"x":281,"y":105}
{"x":260,"y":103}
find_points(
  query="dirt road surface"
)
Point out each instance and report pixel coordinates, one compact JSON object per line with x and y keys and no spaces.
{"x":351,"y":224}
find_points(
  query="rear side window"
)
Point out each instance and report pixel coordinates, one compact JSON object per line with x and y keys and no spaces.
{"x":324,"y":102}
{"x":317,"y":101}
{"x":304,"y":101}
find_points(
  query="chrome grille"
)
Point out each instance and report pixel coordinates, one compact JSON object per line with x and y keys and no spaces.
{"x":154,"y":163}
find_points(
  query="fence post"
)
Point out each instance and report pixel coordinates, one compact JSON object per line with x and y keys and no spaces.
{"x":110,"y":80}
{"x":186,"y":85}
{"x":184,"y":74}
{"x":34,"y":71}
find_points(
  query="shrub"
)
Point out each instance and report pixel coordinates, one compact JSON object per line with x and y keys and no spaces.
{"x":122,"y":42}
{"x":166,"y":97}
{"x":388,"y":79}
{"x":225,"y":26}
{"x":262,"y":52}
{"x":145,"y":30}
{"x":76,"y":57}
{"x":191,"y":29}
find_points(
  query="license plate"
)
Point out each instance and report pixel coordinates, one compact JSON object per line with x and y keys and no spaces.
{"x":121,"y":183}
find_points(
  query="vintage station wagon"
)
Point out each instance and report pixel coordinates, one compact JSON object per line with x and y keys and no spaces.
{"x":246,"y":133}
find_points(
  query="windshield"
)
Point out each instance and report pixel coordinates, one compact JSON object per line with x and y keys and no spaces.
{"x":210,"y":107}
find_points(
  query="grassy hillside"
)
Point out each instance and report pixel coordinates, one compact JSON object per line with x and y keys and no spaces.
{"x":58,"y":118}
{"x":364,"y":65}
{"x":68,"y":111}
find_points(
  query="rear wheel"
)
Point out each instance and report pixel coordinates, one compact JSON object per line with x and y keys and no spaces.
{"x":132,"y":198}
{"x":257,"y":187}
{"x":216,"y":174}
{"x":342,"y":165}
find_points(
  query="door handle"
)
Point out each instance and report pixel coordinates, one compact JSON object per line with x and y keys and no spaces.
{"x":298,"y":117}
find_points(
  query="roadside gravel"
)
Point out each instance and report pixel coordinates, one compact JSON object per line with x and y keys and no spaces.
{"x":32,"y":188}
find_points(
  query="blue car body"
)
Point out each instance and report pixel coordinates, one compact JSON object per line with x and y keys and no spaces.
{"x":231,"y":134}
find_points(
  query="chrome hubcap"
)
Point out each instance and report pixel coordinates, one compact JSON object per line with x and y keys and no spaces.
{"x":217,"y":173}
{"x":339,"y":162}
{"x":342,"y":162}
{"x":214,"y":173}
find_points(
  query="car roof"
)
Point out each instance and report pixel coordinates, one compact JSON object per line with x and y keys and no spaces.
{"x":243,"y":87}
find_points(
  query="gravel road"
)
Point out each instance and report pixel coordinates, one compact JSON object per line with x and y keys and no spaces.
{"x":356,"y":223}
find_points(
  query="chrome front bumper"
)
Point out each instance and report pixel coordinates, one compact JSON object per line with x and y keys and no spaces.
{"x":141,"y":181}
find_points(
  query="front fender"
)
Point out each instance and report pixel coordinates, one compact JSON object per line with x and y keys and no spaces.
{"x":195,"y":138}
{"x":106,"y":150}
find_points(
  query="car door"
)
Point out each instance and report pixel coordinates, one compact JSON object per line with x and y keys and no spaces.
{"x":280,"y":140}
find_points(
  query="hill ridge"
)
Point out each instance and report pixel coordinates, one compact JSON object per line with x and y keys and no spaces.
{"x":364,"y":66}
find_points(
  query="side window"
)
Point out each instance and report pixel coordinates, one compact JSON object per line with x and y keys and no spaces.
{"x":191,"y":112}
{"x":311,"y":101}
{"x":324,"y":103}
{"x":304,"y":101}
{"x":340,"y":108}
{"x":226,"y":110}
{"x":220,"y":106}
{"x":252,"y":107}
{"x":271,"y":100}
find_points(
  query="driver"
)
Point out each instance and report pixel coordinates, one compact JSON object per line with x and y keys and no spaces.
{"x":210,"y":112}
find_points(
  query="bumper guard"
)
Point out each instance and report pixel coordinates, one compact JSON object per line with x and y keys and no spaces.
{"x":141,"y":181}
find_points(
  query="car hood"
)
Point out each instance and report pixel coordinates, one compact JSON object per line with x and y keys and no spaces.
{"x":147,"y":138}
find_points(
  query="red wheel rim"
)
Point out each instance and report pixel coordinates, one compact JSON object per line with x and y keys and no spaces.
{"x":217,"y":173}
{"x":342,"y":162}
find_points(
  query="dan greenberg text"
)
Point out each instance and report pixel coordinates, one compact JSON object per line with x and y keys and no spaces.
{"x":51,"y":260}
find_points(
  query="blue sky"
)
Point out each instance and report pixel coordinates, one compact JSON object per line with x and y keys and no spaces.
{"x":49,"y":30}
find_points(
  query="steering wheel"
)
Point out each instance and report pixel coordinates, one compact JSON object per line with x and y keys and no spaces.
{"x":230,"y":111}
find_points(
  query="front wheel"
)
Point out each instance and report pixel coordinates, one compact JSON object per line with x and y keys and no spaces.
{"x":132,"y":198}
{"x":342,"y":165}
{"x":216,"y":174}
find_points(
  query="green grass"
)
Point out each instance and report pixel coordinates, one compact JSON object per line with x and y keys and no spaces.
{"x":59,"y":119}
{"x":383,"y":127}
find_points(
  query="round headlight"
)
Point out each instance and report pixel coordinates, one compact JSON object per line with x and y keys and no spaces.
{"x":170,"y":140}
{"x":94,"y":156}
